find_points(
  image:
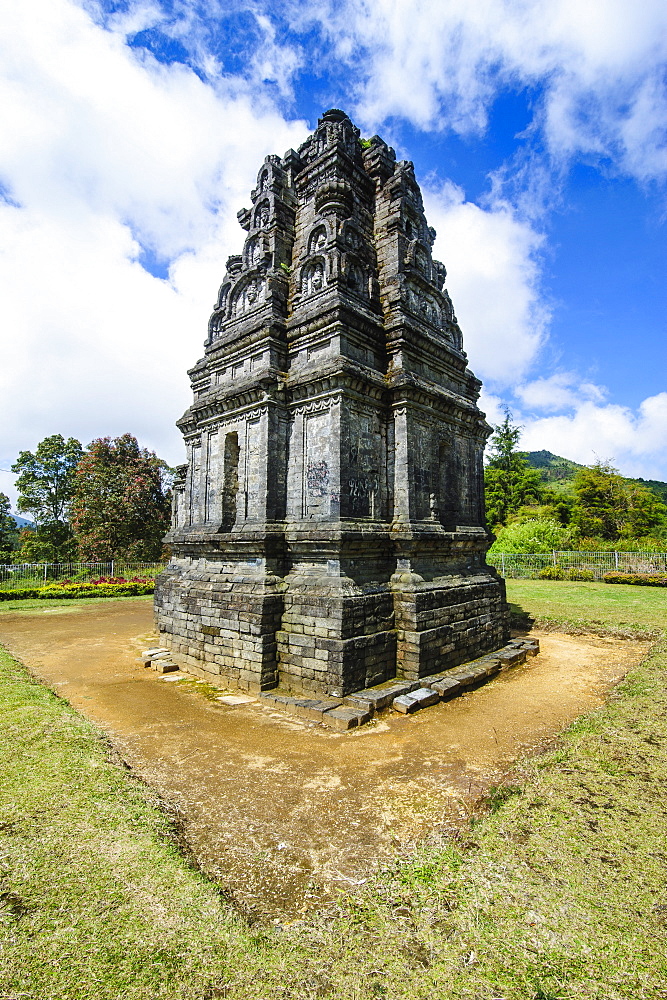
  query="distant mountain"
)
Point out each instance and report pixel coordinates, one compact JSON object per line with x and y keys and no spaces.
{"x":22,"y":522}
{"x":558,"y":473}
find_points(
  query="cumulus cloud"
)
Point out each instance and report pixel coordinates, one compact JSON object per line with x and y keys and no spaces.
{"x":561,"y":391}
{"x":633,"y":440}
{"x":600,"y":65}
{"x":492,"y":258}
{"x":109,"y":156}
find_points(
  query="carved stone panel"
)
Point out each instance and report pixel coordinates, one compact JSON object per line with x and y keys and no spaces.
{"x":317,"y":480}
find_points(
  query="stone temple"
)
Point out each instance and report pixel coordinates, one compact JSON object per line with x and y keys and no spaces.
{"x":328,"y":527}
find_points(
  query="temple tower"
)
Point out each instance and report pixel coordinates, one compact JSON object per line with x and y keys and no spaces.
{"x":328,"y":529}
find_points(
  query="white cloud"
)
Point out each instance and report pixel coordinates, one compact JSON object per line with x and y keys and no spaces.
{"x":561,"y":391}
{"x":441,"y":65}
{"x":634,"y":441}
{"x":492,"y":258}
{"x":105,"y":152}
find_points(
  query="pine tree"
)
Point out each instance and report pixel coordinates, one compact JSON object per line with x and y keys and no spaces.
{"x":509,"y":481}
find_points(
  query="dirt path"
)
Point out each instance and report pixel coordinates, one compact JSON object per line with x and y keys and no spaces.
{"x":282,"y":811}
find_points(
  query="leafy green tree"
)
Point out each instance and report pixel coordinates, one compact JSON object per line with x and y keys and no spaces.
{"x":538,"y":535}
{"x":610,"y":507}
{"x":509,"y":481}
{"x":8,"y":530}
{"x":46,"y":484}
{"x":121,"y":506}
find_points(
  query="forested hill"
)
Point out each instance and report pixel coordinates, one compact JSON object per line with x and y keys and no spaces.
{"x":554,"y":470}
{"x":559,"y":473}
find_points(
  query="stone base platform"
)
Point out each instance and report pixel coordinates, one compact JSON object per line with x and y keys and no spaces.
{"x":402,"y":696}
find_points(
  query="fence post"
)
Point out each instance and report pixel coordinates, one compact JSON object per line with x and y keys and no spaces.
{"x":616,"y":559}
{"x":45,"y":567}
{"x":502,"y":560}
{"x":553,"y":556}
{"x":112,"y":564}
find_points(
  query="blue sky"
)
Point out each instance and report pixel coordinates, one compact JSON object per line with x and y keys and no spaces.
{"x":131,"y":133}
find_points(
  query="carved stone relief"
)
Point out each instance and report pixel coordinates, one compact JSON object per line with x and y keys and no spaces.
{"x":247,"y":297}
{"x":317,"y":241}
{"x":313,"y":277}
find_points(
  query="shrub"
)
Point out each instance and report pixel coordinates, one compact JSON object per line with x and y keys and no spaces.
{"x":536,"y":535}
{"x":637,"y":579}
{"x":127,"y":589}
{"x":585,"y":575}
{"x":18,"y":594}
{"x":551,"y":573}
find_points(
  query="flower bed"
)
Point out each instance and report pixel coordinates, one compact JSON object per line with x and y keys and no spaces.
{"x":102,"y":587}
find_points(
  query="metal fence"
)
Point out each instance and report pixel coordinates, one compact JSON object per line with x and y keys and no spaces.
{"x":513,"y":565}
{"x":527,"y":565}
{"x":13,"y":577}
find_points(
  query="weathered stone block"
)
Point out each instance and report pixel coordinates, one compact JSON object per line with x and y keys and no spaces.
{"x":165,"y":666}
{"x":344,"y":718}
{"x":419,"y":698}
{"x":448,"y":687}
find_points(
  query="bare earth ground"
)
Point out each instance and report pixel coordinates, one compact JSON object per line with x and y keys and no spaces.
{"x":278,"y":811}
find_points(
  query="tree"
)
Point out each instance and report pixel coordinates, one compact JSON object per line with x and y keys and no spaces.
{"x":8,"y":530}
{"x":46,"y":483}
{"x":121,"y":506}
{"x":538,"y":535}
{"x":610,"y":507}
{"x":509,"y":481}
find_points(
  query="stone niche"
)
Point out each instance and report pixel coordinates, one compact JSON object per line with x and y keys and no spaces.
{"x":328,"y":527}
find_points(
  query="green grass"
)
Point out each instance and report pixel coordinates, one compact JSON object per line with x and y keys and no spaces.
{"x":557,"y":891}
{"x":69,"y":604}
{"x":617,"y":610}
{"x":96,"y":900}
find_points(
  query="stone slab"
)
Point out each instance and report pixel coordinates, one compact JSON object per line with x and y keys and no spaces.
{"x":375,"y":699}
{"x":315,"y":708}
{"x":345,"y":718}
{"x":163,"y":655}
{"x":305,"y":708}
{"x":466,"y":677}
{"x":511,"y":657}
{"x":421,"y":698}
{"x":165,"y":666}
{"x":448,"y":687}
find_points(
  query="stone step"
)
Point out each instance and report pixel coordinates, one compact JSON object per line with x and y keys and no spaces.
{"x":421,"y":698}
{"x":345,"y":718}
{"x":165,"y":666}
{"x":305,"y":708}
{"x":375,"y":699}
{"x":159,"y":652}
{"x":403,"y":696}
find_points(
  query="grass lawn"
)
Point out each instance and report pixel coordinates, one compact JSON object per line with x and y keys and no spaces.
{"x":557,"y":892}
{"x":72,"y":604}
{"x":607,"y":608}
